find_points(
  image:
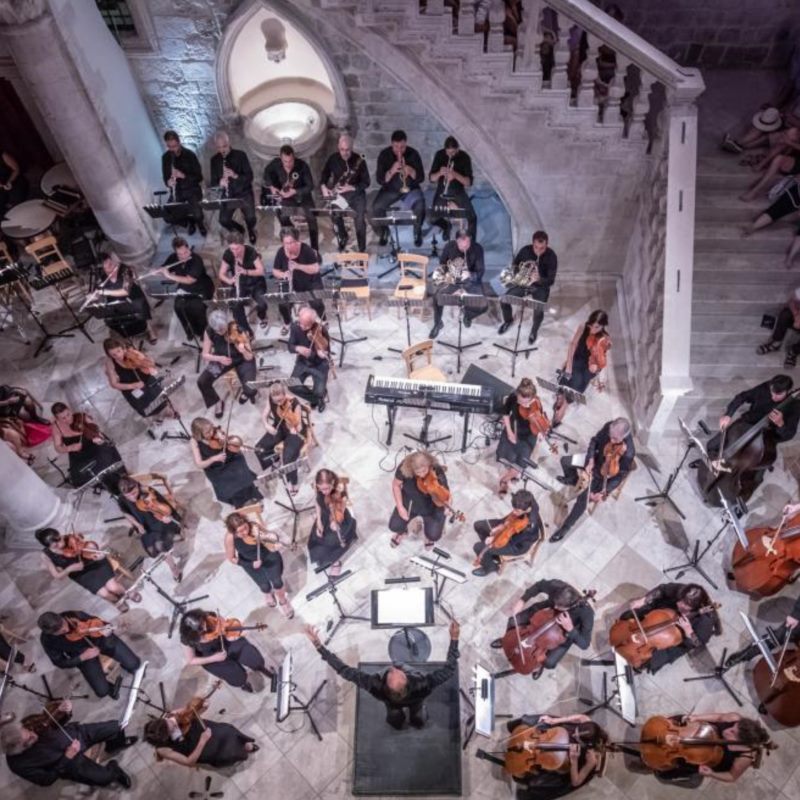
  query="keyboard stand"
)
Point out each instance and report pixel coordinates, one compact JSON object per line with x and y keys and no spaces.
{"x":423,"y":434}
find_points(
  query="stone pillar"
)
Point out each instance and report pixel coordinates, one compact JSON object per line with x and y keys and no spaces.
{"x":26,"y":501}
{"x":87,"y":95}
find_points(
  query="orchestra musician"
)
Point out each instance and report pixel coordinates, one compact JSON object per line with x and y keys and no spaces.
{"x":609,"y":459}
{"x":288,"y":179}
{"x":220,"y":457}
{"x":182,"y":173}
{"x":400,"y":173}
{"x":299,"y":265}
{"x":75,"y":639}
{"x":287,"y":423}
{"x":575,"y":617}
{"x":88,"y":449}
{"x":398,"y":688}
{"x":310,"y":342}
{"x":232,"y":173}
{"x":586,"y":358}
{"x":334,"y":529}
{"x":135,"y":375}
{"x":154,"y":519}
{"x":21,"y":426}
{"x":13,"y":184}
{"x":186,"y":268}
{"x":50,"y":746}
{"x":537,"y":253}
{"x":83,"y":562}
{"x":19,"y":403}
{"x":241,"y":267}
{"x":252,"y":547}
{"x":788,"y":318}
{"x":523,"y":420}
{"x":346,"y":175}
{"x":510,"y":535}
{"x":206,"y":645}
{"x":5,"y":653}
{"x":411,"y":501}
{"x":451,"y":171}
{"x":464,"y":258}
{"x":225,"y":347}
{"x":696,"y":619}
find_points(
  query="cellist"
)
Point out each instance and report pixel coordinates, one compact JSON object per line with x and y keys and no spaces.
{"x":576,"y":617}
{"x":522,"y":523}
{"x":790,"y":628}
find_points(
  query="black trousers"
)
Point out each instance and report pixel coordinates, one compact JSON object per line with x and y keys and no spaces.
{"x":489,"y":559}
{"x":191,"y":313}
{"x":292,"y":444}
{"x":358,"y":202}
{"x":246,"y":370}
{"x":396,"y":717}
{"x":285,"y":310}
{"x":113,"y":647}
{"x":241,"y":654}
{"x":248,"y":210}
{"x":86,"y":770}
{"x":783,"y":324}
{"x":194,"y":214}
{"x":470,"y":313}
{"x":432,"y":524}
{"x":387,"y":197}
{"x":319,"y":379}
{"x":307,"y":210}
{"x":5,"y":652}
{"x":460,"y":197}
{"x":537,"y":293}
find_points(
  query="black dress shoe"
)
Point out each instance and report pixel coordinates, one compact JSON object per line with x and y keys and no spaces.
{"x":120,"y":742}
{"x":696,"y":463}
{"x":121,"y":777}
{"x":531,"y":337}
{"x":435,"y":330}
{"x":562,"y":479}
{"x":558,"y":535}
{"x":383,"y":239}
{"x":762,"y":709}
{"x":497,"y":644}
{"x":202,"y":228}
{"x":218,"y":414}
{"x":418,"y":239}
{"x":504,"y":327}
{"x":191,"y":228}
{"x":480,"y":572}
{"x":246,"y":687}
{"x":467,"y":322}
{"x":115,"y":687}
{"x":253,"y":236}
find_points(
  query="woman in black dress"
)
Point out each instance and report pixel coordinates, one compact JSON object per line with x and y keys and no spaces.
{"x":89,"y":450}
{"x":154,"y":519}
{"x":585,"y":359}
{"x":252,"y":547}
{"x":119,"y":283}
{"x":96,"y":576}
{"x":135,"y":375}
{"x":223,"y":658}
{"x":227,"y":471}
{"x":334,"y":528}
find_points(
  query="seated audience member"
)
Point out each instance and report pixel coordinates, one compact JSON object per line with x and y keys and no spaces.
{"x":788,"y":317}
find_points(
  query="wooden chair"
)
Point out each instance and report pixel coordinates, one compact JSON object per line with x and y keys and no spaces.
{"x":50,"y":261}
{"x":253,"y":512}
{"x":355,"y":281}
{"x":614,"y":494}
{"x":527,"y":556}
{"x":413,"y":274}
{"x":428,"y":371}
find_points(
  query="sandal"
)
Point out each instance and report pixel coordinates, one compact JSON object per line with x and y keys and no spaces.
{"x":503,"y":488}
{"x":271,"y":601}
{"x":136,"y":597}
{"x":430,"y":545}
{"x":790,"y":360}
{"x":286,"y":609}
{"x":768,"y":347}
{"x":395,"y":540}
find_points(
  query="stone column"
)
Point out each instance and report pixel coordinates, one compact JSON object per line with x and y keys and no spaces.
{"x":26,"y":501}
{"x":82,"y":92}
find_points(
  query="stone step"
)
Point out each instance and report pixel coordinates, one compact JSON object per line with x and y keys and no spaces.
{"x":744,"y":323}
{"x":722,"y":212}
{"x":741,"y":306}
{"x":749,"y":337}
{"x":716,"y":292}
{"x":735,"y":183}
{"x":769,"y":247}
{"x":750,"y":280}
{"x":709,"y":261}
{"x":715,"y":230}
{"x":733,"y":376}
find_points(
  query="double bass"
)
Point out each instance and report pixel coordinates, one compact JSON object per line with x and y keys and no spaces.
{"x":780,"y":694}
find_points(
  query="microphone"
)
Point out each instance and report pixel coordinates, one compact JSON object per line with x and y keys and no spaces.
{"x":441,"y":553}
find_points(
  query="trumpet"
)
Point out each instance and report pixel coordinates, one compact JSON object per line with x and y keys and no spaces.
{"x":446,"y":190}
{"x":451,"y":272}
{"x":526,"y":275}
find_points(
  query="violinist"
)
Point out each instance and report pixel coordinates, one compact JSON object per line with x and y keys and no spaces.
{"x":224,"y":464}
{"x":74,"y":639}
{"x":135,"y":375}
{"x":49,"y":746}
{"x":89,"y":450}
{"x":242,"y":269}
{"x":255,"y":550}
{"x":154,"y":519}
{"x":222,"y":354}
{"x":523,"y":420}
{"x":609,"y":458}
{"x":298,"y":265}
{"x":206,"y":645}
{"x":310,"y":342}
{"x":574,"y":615}
{"x":512,"y":535}
{"x":586,"y":358}
{"x":286,"y":420}
{"x":334,"y":529}
{"x":583,"y":751}
{"x":410,"y":501}
{"x":398,"y":688}
{"x":82,"y":561}
{"x":696,"y":622}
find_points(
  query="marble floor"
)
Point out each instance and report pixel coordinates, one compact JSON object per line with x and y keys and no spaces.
{"x":620,"y":551}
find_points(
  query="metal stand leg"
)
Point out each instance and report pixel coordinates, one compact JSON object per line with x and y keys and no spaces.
{"x":516,"y":350}
{"x":718,"y":675}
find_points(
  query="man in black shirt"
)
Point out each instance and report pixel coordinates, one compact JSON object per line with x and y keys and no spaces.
{"x":183,"y":174}
{"x":66,"y":653}
{"x":463,"y":259}
{"x":400,"y":173}
{"x":397,"y":688}
{"x":231,"y":171}
{"x":186,"y":268}
{"x":241,"y":268}
{"x":298,"y":265}
{"x":289,"y":180}
{"x":576,"y":617}
{"x":451,"y":171}
{"x":310,"y":362}
{"x":612,"y":435}
{"x":346,"y":175}
{"x":540,"y":254}
{"x":698,"y":621}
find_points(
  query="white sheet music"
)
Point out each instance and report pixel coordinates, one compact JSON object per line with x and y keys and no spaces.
{"x":401,"y":606}
{"x":578,"y":460}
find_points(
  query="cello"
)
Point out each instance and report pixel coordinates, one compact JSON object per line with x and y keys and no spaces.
{"x":780,"y":694}
{"x":531,"y":749}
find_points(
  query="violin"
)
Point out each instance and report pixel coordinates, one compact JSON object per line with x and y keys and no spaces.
{"x":148,"y":502}
{"x":228,"y":628}
{"x":536,"y":417}
{"x":429,"y":484}
{"x":136,"y":360}
{"x":76,"y":545}
{"x":221,"y":441}
{"x":52,"y":715}
{"x":92,"y":628}
{"x":185,"y":716}
{"x":612,"y":456}
{"x":598,"y":347}
{"x":83,"y":425}
{"x":320,"y":341}
{"x":527,"y":648}
{"x":512,"y":525}
{"x":771,"y":560}
{"x":657,"y":630}
{"x":337,"y":500}
{"x":258,"y":535}
{"x":239,"y":339}
{"x":291,"y":417}
{"x":780,"y":694}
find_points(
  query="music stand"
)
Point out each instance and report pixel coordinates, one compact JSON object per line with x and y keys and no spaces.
{"x":133,"y":696}
{"x":481,"y":720}
{"x":64,"y":333}
{"x":441,"y":574}
{"x":331,"y":586}
{"x":760,"y":641}
{"x":718,"y":674}
{"x":624,"y":690}
{"x":285,"y":696}
{"x":436,"y":213}
{"x":395,"y":217}
{"x":422,"y":439}
{"x":407,"y":303}
{"x":165,"y":393}
{"x":277,"y":471}
{"x":335,"y":295}
{"x":408,"y":609}
{"x":463,"y":300}
{"x":525,"y":475}
{"x":523,"y":303}
{"x":557,"y":388}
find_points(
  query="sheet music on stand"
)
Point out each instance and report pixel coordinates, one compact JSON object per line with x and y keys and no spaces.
{"x":136,"y":685}
{"x":483,"y":685}
{"x":284,"y":688}
{"x":466,"y":299}
{"x":117,"y":466}
{"x":758,"y":641}
{"x":697,"y":443}
{"x":729,"y":514}
{"x":401,"y":607}
{"x":557,"y":388}
{"x":435,"y":567}
{"x":623,"y":676}
{"x":522,"y":301}
{"x":277,"y":471}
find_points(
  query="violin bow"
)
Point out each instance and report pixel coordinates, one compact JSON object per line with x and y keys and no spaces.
{"x":639,"y":624}
{"x":774,"y":538}
{"x":780,"y":659}
{"x":58,"y":724}
{"x":221,"y":626}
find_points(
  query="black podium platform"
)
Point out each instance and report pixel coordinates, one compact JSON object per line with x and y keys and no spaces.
{"x":410,"y":761}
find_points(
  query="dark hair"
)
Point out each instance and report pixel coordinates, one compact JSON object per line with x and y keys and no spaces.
{"x":522,"y":500}
{"x":526,"y":388}
{"x":597,"y":317}
{"x":156,"y":732}
{"x":57,"y":408}
{"x":290,"y":231}
{"x":565,"y":597}
{"x":591,"y":733}
{"x":327,"y":475}
{"x":171,"y":136}
{"x":46,"y":536}
{"x":50,"y":622}
{"x":541,"y":236}
{"x":234,"y":520}
{"x":192,"y":626}
{"x":399,"y":135}
{"x":449,"y":142}
{"x":752,"y":732}
{"x":462,"y":233}
{"x":179,"y":241}
{"x":781,"y":383}
{"x":234,"y":237}
{"x":286,"y":150}
{"x":693,"y":595}
{"x":128,"y":484}
{"x":112,"y":343}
